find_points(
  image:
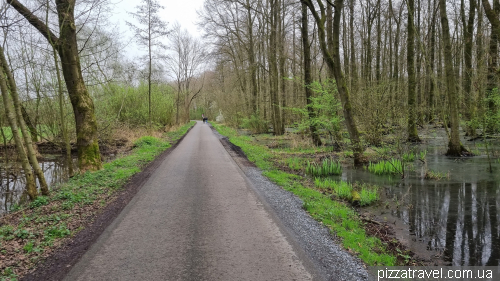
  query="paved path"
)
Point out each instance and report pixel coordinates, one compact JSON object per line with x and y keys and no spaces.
{"x":196,"y":218}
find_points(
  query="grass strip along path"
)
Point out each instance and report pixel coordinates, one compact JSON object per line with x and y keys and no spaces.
{"x":340,"y":218}
{"x":35,"y":231}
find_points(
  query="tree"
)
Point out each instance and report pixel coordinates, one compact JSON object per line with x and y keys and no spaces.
{"x":307,"y":75}
{"x":9,"y":111}
{"x":184,"y":62}
{"x":410,"y":58}
{"x":333,"y":62}
{"x":455,"y":148}
{"x":31,"y":154}
{"x":89,"y":156}
{"x":148,"y":34}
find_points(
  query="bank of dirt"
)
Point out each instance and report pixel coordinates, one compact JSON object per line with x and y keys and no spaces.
{"x":92,"y":219}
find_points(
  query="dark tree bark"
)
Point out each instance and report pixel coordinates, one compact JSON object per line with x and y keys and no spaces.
{"x":273,"y":69}
{"x":251,"y":59}
{"x":467,"y":81}
{"x":410,"y":60}
{"x":492,"y":77}
{"x":431,"y":80}
{"x":307,"y":75}
{"x":89,"y":156}
{"x":455,"y":148}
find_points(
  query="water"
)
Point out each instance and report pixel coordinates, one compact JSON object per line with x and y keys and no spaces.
{"x":12,"y":181}
{"x":450,"y":221}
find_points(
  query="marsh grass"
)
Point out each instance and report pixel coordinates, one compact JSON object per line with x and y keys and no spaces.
{"x":328,"y":167}
{"x":391,"y":167}
{"x":368,"y":194}
{"x":408,"y":157}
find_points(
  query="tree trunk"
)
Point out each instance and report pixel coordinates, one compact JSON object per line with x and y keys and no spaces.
{"x":31,"y":153}
{"x":4,"y":89}
{"x":410,"y":61}
{"x":89,"y":156}
{"x":467,"y":81}
{"x":492,"y":77}
{"x":307,"y":76}
{"x":354,"y":71}
{"x":455,"y":148}
{"x":430,"y":73}
{"x":67,"y":143}
{"x":273,"y":69}
{"x":379,"y":44}
{"x":251,"y":60}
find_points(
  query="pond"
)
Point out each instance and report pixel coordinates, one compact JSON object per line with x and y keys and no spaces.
{"x":453,"y":220}
{"x":12,"y":181}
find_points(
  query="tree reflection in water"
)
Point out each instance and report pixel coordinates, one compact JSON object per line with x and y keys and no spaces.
{"x":456,"y":217}
{"x":12,"y":180}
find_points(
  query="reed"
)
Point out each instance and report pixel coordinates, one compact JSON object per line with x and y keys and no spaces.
{"x":409,"y":157}
{"x":327,"y":168}
{"x":393,"y":166}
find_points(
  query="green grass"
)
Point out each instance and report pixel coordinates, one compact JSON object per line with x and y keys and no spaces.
{"x":393,"y":166}
{"x":409,"y":157}
{"x":339,"y":217}
{"x":363,"y":193}
{"x":328,"y":167}
{"x":294,"y":163}
{"x":48,"y":217}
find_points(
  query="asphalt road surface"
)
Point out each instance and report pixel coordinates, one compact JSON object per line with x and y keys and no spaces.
{"x":196,"y":218}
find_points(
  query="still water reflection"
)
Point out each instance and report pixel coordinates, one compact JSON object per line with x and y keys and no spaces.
{"x":456,"y":217}
{"x":12,"y":182}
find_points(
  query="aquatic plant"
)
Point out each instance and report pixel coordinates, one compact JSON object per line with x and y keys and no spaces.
{"x":409,"y":157}
{"x":422,"y":155}
{"x":367,"y":193}
{"x":432,"y":175}
{"x":327,"y":168}
{"x":393,"y":166}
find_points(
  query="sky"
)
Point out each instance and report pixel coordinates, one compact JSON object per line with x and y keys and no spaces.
{"x":182,"y":11}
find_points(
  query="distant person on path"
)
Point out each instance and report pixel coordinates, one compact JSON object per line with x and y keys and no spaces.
{"x":205,"y":119}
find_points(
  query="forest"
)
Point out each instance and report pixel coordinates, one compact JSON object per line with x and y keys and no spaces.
{"x":354,"y":83}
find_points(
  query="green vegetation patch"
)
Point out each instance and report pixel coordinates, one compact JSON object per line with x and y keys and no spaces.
{"x":328,"y":167}
{"x":342,"y":219}
{"x":363,"y":194}
{"x":39,"y":227}
{"x":391,"y":167}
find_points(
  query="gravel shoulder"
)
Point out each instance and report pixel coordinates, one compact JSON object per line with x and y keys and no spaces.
{"x":311,"y":239}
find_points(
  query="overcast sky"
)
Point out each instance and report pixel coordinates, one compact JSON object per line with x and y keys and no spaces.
{"x":182,"y":11}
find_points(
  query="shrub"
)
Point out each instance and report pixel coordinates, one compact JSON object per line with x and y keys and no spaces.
{"x":256,"y":125}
